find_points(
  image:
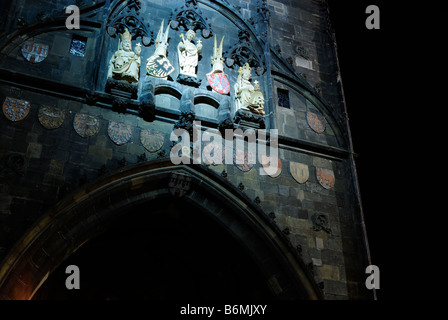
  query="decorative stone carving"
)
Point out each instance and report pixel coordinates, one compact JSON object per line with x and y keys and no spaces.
{"x":120,"y":133}
{"x":158,"y":64}
{"x":188,"y":53}
{"x":152,"y":140}
{"x":125,"y":63}
{"x":248,"y":96}
{"x":263,"y":13}
{"x":249,"y":119}
{"x":217,"y":78}
{"x":189,"y":16}
{"x":225,"y":117}
{"x":187,"y":112}
{"x":320,"y":222}
{"x":85,"y":125}
{"x":51,"y":117}
{"x":15,"y":109}
{"x":147,"y":105}
{"x":119,"y":105}
{"x":243,"y":53}
{"x":127,"y":16}
{"x":179,"y":185}
{"x":122,"y":88}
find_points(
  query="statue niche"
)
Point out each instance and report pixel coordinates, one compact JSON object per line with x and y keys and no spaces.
{"x":188,"y":54}
{"x":124,"y":68}
{"x":125,"y":63}
{"x":247,"y":96}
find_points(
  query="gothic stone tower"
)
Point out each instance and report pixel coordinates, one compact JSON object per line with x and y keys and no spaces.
{"x":92,"y":98}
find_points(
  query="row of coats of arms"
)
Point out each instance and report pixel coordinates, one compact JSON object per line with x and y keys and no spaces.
{"x":125,"y":65}
{"x":120,"y":133}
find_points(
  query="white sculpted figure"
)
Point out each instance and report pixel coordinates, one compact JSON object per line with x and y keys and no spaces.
{"x":247,"y":96}
{"x":125,"y":63}
{"x":188,"y":54}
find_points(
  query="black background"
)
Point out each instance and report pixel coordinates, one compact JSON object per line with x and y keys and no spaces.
{"x":389,"y":78}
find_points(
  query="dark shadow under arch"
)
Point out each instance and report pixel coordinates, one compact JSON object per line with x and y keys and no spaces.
{"x":88,"y":213}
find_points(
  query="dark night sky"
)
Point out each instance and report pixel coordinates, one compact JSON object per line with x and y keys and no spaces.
{"x":382,"y":75}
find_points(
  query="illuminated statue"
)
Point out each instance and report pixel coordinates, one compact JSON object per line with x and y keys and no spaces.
{"x":248,"y":96}
{"x":257,"y":105}
{"x":188,"y":54}
{"x":125,"y":63}
{"x":158,"y":64}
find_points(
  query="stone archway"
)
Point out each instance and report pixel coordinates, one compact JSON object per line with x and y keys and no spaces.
{"x":89,"y":212}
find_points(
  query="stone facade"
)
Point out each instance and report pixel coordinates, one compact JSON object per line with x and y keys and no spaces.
{"x":292,"y":53}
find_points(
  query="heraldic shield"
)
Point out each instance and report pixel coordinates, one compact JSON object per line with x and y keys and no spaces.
{"x":243,"y":160}
{"x":34,"y":52}
{"x":219,"y":82}
{"x":325,"y":177}
{"x":213,"y":154}
{"x":51,"y":117}
{"x":316,"y":122}
{"x":85,"y":125}
{"x":273,"y":171}
{"x":152,"y":140}
{"x":299,"y":171}
{"x":15,"y":109}
{"x":119,"y":132}
{"x":179,"y":185}
{"x":159,"y":67}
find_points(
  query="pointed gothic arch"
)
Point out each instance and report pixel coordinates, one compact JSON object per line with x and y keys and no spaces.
{"x":85,"y":214}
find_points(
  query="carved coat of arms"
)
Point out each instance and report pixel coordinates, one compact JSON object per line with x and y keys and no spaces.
{"x":152,"y":140}
{"x":325,"y":177}
{"x":158,"y":66}
{"x":299,"y":171}
{"x":219,"y":82}
{"x":34,"y":52}
{"x":179,"y":185}
{"x":273,"y":171}
{"x":51,"y":117}
{"x":213,"y":154}
{"x":243,"y":160}
{"x":316,"y":122}
{"x":15,"y":109}
{"x":119,"y":132}
{"x":85,"y":125}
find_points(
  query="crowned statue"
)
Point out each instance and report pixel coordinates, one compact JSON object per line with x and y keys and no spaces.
{"x":248,"y":96}
{"x":125,"y":63}
{"x":188,"y":53}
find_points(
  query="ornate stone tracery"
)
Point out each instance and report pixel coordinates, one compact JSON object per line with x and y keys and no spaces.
{"x":243,"y":52}
{"x":127,"y":16}
{"x":190,"y":17}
